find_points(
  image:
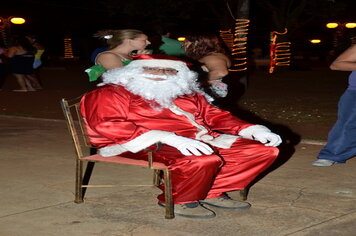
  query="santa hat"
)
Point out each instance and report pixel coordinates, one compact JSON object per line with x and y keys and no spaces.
{"x":158,"y":60}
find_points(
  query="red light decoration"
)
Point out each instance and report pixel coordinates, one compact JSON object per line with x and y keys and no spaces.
{"x":228,"y":37}
{"x":279,"y":52}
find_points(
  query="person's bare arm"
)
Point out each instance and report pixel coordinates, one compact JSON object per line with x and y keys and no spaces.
{"x":217,"y":66}
{"x":346,"y":61}
{"x":11,"y":52}
{"x":109,"y":61}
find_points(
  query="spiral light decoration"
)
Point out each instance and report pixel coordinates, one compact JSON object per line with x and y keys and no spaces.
{"x":68,"y":48}
{"x":228,"y":37}
{"x":239,"y":46}
{"x":279,"y":52}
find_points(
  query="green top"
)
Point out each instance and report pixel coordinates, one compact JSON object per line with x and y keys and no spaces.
{"x":171,"y":47}
{"x":96,"y":71}
{"x":126,"y":62}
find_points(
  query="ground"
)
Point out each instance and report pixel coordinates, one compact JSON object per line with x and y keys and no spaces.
{"x":300,"y":102}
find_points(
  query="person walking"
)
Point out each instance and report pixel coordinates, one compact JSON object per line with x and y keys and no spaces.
{"x":37,"y":63}
{"x":341,"y":144}
{"x":21,"y":57}
{"x":40,"y":49}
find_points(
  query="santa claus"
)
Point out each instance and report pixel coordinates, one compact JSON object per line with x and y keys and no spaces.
{"x":209,"y":151}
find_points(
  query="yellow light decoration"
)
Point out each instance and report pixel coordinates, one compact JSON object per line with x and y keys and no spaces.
{"x":68,"y":49}
{"x":279,"y":52}
{"x":181,"y":39}
{"x":240,"y":45}
{"x":332,"y":25}
{"x":315,"y":41}
{"x":350,"y":25}
{"x":17,"y":20}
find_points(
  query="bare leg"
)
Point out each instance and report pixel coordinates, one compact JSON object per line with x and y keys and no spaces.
{"x":33,"y":81}
{"x":21,"y":81}
{"x":29,"y":85}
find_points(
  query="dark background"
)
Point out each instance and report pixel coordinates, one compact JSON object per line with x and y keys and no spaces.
{"x":80,"y":19}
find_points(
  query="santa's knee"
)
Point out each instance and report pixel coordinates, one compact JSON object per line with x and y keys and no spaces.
{"x":207,"y":162}
{"x":267,"y":152}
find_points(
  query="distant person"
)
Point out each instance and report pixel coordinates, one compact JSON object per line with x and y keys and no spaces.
{"x":122,"y":44}
{"x":2,"y":65}
{"x":341,"y":144}
{"x":21,"y":57}
{"x":40,"y":49}
{"x":207,"y":49}
{"x":170,"y":46}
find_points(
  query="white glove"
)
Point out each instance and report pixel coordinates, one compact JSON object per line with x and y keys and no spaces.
{"x":187,"y":146}
{"x":261,"y":134}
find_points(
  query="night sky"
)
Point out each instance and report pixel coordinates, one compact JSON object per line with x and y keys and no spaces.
{"x":80,"y":19}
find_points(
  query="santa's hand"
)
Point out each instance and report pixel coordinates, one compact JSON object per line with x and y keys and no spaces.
{"x":268,"y":138}
{"x":261,"y":134}
{"x":187,"y":146}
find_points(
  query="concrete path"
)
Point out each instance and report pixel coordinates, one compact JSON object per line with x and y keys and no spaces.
{"x":37,"y":183}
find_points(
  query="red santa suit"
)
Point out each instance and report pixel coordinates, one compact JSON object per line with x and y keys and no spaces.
{"x":121,"y":122}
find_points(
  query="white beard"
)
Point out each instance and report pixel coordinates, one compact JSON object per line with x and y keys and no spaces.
{"x":160,"y":94}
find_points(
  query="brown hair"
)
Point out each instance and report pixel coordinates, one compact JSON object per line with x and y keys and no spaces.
{"x":117,"y":36}
{"x":203,"y":45}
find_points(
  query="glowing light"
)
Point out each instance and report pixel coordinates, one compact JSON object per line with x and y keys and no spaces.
{"x":332,"y":25}
{"x":68,"y":49}
{"x":240,"y":45}
{"x":279,"y":52}
{"x":228,"y":37}
{"x":315,"y":41}
{"x":17,"y":20}
{"x":181,"y":39}
{"x":350,"y":25}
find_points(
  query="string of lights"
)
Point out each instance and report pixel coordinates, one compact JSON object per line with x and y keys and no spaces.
{"x":279,"y":52}
{"x":239,"y":47}
{"x":68,"y":48}
{"x":228,"y":37}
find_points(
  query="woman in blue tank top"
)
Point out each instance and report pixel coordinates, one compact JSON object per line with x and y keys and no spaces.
{"x":341,"y":144}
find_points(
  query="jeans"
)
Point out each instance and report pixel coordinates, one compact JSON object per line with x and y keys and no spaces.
{"x":341,"y":143}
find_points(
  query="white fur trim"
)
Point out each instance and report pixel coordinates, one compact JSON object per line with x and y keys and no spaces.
{"x":158,"y":63}
{"x":112,"y":150}
{"x":141,"y":142}
{"x":248,"y":132}
{"x":223,"y":141}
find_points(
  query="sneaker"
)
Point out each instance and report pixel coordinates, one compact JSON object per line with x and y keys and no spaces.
{"x":323,"y":162}
{"x":191,"y":210}
{"x":19,"y":90}
{"x":226,"y":202}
